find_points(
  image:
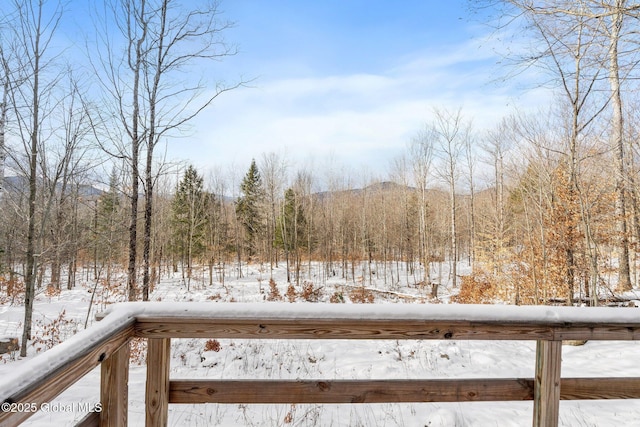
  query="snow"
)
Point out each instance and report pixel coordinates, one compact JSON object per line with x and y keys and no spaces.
{"x":37,"y":369}
{"x":329,"y":359}
{"x":469,"y":312}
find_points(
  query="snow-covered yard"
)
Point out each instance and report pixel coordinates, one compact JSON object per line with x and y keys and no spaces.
{"x":57,"y":317}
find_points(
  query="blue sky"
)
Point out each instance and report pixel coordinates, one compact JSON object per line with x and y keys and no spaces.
{"x":346,"y":83}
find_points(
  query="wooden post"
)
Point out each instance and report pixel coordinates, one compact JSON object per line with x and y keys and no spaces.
{"x":546,"y":392}
{"x":157,"y":394}
{"x":114,"y":395}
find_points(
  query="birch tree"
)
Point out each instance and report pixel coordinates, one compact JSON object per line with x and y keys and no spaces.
{"x":450,"y":129}
{"x":470,"y":160}
{"x":421,"y":152}
{"x":273,"y":169}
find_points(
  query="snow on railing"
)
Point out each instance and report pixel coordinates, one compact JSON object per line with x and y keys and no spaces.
{"x":107,"y":344}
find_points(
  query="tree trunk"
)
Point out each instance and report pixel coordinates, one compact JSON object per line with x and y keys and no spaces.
{"x":3,"y":124}
{"x":31,"y":236}
{"x":135,"y":151}
{"x":617,"y":127}
{"x":454,"y":246}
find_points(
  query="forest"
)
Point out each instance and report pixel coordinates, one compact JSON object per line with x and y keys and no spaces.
{"x":543,"y":208}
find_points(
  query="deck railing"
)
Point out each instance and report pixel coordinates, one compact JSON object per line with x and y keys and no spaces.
{"x":106,"y":343}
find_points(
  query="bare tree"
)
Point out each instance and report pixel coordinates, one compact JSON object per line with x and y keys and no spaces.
{"x":617,"y":11}
{"x":118,"y":129}
{"x":155,"y":99}
{"x":497,"y":142}
{"x":603,"y":39}
{"x":178,"y":38}
{"x":62,"y":168}
{"x":5,"y":81}
{"x":569,"y":44}
{"x":470,"y":158}
{"x":273,"y":169}
{"x":218,"y":232}
{"x":421,"y":152}
{"x":451,"y":129}
{"x":33,"y":30}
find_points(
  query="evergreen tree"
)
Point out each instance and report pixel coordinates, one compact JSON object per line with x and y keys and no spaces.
{"x":109,"y":202}
{"x":189,"y":220}
{"x":248,"y":207}
{"x":108,"y":225}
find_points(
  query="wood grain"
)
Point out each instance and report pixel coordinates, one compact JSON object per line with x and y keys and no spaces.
{"x":114,"y":388}
{"x":546,"y":392}
{"x":599,"y":388}
{"x":378,"y":391}
{"x":157,"y":390}
{"x":322,"y":328}
{"x":349,"y":391}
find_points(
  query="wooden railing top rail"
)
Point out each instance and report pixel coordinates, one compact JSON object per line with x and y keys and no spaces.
{"x":440,"y":312}
{"x":383,"y":321}
{"x":69,"y":360}
{"x":49,"y":374}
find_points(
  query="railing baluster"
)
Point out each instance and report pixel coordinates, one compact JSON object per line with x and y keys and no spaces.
{"x":114,"y":395}
{"x":157,"y":393}
{"x":546,"y":392}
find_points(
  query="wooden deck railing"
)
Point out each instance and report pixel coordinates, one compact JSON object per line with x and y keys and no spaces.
{"x":106,"y":343}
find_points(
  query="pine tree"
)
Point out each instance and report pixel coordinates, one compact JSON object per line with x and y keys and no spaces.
{"x":248,"y":207}
{"x":189,"y":220}
{"x":109,"y":202}
{"x":108,"y":224}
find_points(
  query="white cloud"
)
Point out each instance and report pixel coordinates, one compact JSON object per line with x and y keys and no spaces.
{"x":361,"y":118}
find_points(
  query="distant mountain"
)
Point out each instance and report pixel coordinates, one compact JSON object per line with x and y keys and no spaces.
{"x":386,"y":186}
{"x":20,"y":184}
{"x":376,"y":187}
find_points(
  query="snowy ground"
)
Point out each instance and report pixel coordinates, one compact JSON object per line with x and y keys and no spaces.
{"x":56,"y":317}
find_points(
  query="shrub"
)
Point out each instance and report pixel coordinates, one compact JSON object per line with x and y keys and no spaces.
{"x":291,"y":293}
{"x":54,"y":332}
{"x":361,"y":296}
{"x":51,"y":291}
{"x":337,"y":298}
{"x":311,"y":293}
{"x":274,"y":293}
{"x":475,"y":289}
{"x":11,"y":291}
{"x":212,"y":345}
